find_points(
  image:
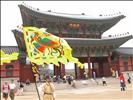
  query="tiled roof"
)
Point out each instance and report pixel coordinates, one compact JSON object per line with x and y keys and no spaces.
{"x":92,"y":42}
{"x":95,"y":42}
{"x":10,"y":49}
{"x":71,"y":16}
{"x":125,"y":50}
{"x":34,"y":17}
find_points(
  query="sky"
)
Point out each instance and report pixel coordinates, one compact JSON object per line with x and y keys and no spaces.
{"x":11,"y":16}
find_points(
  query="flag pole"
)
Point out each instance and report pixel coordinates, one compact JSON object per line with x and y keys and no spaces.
{"x":35,"y":71}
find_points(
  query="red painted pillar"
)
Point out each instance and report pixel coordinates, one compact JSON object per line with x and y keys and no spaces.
{"x":55,"y":70}
{"x":81,"y":73}
{"x":100,"y":69}
{"x":119,"y":64}
{"x":131,"y":62}
{"x":109,"y":71}
{"x":62,"y":70}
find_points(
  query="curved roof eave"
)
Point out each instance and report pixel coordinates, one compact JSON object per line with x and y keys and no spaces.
{"x":71,"y":16}
{"x":125,"y":51}
{"x":98,"y":42}
{"x":91,"y":42}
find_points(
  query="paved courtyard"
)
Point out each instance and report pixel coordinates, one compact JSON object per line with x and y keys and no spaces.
{"x":86,"y":90}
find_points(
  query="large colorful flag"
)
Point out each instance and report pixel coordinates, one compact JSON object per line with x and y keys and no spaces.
{"x":43,"y":47}
{"x":7,"y":58}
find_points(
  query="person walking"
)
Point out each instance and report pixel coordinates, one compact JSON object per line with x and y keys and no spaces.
{"x":129,"y":78}
{"x":122,"y":82}
{"x":5,"y":90}
{"x":104,"y":81}
{"x":94,"y":75}
{"x":27,"y":81}
{"x":74,"y":83}
{"x":21,"y":89}
{"x":48,"y":90}
{"x":12,"y":89}
{"x":69,"y":79}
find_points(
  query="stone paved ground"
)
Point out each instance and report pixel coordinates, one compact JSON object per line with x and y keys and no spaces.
{"x":86,"y":90}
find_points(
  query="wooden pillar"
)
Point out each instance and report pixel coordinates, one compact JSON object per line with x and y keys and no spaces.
{"x":57,"y":70}
{"x":21,"y":73}
{"x":76,"y":76}
{"x":82,"y":73}
{"x":131,"y":58}
{"x":77,"y":71}
{"x":119,"y":65}
{"x":109,"y":62}
{"x":89,"y":69}
{"x":62,"y":70}
{"x":100,"y":69}
{"x":119,"y":62}
{"x":82,"y":70}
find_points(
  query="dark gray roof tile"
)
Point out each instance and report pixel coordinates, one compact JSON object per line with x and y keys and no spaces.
{"x":9,"y":49}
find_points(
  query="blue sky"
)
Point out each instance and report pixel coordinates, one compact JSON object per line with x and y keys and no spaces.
{"x":11,"y":16}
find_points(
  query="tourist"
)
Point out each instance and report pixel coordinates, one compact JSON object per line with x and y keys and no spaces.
{"x":94,"y":75}
{"x":54,"y":78}
{"x":129,"y":78}
{"x":58,"y":79}
{"x":12,"y":89}
{"x":5,"y":90}
{"x":122,"y":82}
{"x":69,"y":79}
{"x":74,"y":83}
{"x":104,"y":81}
{"x":48,"y":90}
{"x":85,"y":75}
{"x":18,"y":84}
{"x":64,"y":79}
{"x":116,"y":74}
{"x":21,"y":89}
{"x":27,"y":82}
{"x":113,"y":72}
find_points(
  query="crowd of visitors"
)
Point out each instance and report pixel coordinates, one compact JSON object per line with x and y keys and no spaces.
{"x":11,"y":89}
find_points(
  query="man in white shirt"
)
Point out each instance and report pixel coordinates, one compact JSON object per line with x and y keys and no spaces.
{"x":12,"y":89}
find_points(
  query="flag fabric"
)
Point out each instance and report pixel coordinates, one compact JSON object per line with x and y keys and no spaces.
{"x":43,"y":47}
{"x":7,"y":58}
